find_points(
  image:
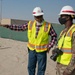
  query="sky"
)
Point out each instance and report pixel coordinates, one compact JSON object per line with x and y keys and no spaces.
{"x":22,"y":9}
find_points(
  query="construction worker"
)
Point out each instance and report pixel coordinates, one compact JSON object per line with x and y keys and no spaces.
{"x":66,"y":43}
{"x":38,"y":41}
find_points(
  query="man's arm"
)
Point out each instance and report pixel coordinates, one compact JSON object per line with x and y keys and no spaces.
{"x":53,"y":35}
{"x":71,"y":65}
{"x":22,"y":27}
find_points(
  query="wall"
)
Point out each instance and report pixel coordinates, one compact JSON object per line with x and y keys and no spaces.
{"x":22,"y":35}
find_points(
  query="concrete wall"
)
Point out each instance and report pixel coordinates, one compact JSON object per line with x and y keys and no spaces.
{"x":15,"y":21}
{"x":12,"y":21}
{"x":6,"y":21}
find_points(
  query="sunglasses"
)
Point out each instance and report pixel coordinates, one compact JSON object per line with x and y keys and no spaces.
{"x":38,"y":16}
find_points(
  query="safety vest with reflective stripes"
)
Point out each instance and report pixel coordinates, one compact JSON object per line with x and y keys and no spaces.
{"x":65,"y":41}
{"x":40,"y":43}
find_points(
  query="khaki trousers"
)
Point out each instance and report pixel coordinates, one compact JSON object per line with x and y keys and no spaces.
{"x":61,"y":68}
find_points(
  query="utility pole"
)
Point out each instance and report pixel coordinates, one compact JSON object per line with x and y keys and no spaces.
{"x":0,"y":11}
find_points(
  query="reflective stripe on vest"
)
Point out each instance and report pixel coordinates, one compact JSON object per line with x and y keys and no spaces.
{"x":70,"y":32}
{"x":45,"y":25}
{"x":42,"y":47}
{"x":66,"y":50}
{"x":31,"y":24}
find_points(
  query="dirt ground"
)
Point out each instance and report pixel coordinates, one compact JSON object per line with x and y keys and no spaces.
{"x":14,"y":58}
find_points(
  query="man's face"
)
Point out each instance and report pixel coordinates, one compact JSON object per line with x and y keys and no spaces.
{"x":63,"y":19}
{"x":38,"y":18}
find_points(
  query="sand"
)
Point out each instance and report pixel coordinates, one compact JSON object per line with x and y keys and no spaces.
{"x":14,"y":58}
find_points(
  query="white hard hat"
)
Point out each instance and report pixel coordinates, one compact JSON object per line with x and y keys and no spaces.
{"x":37,"y":11}
{"x":68,"y":10}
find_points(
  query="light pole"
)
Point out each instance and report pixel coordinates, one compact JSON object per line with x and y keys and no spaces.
{"x":0,"y":11}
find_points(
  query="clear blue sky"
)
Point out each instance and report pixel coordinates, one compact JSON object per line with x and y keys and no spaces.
{"x":22,"y":9}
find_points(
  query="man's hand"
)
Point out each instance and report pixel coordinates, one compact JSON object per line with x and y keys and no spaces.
{"x":1,"y":25}
{"x":5,"y":26}
{"x":48,"y":50}
{"x":65,"y":73}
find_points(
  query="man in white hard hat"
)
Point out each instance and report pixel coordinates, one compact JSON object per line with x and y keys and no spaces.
{"x":66,"y":43}
{"x":38,"y":41}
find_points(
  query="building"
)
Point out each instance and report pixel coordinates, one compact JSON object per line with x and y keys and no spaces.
{"x":13,"y":21}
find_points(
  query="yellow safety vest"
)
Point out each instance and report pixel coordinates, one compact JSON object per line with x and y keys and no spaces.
{"x":66,"y":40}
{"x":40,"y":43}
